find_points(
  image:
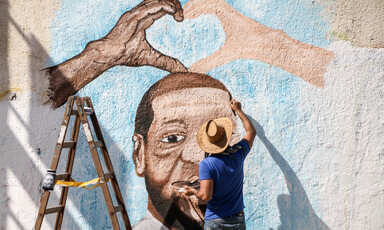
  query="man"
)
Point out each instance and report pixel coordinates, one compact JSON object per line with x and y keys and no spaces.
{"x":221,"y":173}
{"x":165,"y":149}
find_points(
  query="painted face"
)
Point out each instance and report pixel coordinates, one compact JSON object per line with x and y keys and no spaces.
{"x":172,"y":153}
{"x":49,"y":181}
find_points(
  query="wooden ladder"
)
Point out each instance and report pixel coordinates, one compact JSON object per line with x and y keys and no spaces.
{"x":81,"y":114}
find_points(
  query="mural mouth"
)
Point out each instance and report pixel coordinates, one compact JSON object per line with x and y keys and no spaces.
{"x":180,"y":184}
{"x":191,"y":204}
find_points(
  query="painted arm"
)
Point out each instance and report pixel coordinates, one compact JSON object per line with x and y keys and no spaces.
{"x":248,"y":126}
{"x":125,"y":44}
{"x":204,"y":194}
{"x":249,"y":39}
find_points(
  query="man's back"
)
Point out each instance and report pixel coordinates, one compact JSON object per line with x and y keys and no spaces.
{"x":227,"y":175}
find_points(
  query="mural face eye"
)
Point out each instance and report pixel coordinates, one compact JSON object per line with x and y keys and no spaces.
{"x":173,"y":138}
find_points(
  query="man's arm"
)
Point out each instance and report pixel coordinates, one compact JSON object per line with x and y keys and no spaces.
{"x":204,"y":194}
{"x":248,"y":126}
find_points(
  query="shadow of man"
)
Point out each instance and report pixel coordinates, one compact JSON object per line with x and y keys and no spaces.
{"x":295,"y":209}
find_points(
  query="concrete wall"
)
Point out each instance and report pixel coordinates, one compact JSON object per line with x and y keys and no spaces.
{"x":310,"y":74}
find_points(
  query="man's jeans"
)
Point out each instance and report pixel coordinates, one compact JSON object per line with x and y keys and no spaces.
{"x":236,"y":221}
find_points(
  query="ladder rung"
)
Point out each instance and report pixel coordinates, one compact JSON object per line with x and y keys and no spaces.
{"x":98,"y":144}
{"x":108,"y":176}
{"x":88,"y":111}
{"x":64,"y":176}
{"x":54,"y":209}
{"x":69,"y":144}
{"x":118,"y":208}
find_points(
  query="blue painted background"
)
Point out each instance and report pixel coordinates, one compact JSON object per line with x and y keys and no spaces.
{"x":269,"y":95}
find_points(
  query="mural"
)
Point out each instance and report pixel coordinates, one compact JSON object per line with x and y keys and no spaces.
{"x":309,"y":74}
{"x":174,"y":107}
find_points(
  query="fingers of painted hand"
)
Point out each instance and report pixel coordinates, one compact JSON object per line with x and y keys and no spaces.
{"x":149,"y":20}
{"x":179,"y":15}
{"x":135,"y":22}
{"x":223,"y":56}
{"x":156,"y":59}
{"x":195,"y":8}
{"x":151,"y":8}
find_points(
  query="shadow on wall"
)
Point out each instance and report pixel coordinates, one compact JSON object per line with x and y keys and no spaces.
{"x":30,"y":178}
{"x":296,"y":212}
{"x":79,"y":212}
{"x":4,"y":90}
{"x":30,"y":185}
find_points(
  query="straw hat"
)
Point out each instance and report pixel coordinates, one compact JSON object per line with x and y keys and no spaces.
{"x":214,"y":136}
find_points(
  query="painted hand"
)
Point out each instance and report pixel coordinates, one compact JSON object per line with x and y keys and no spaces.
{"x":249,"y":39}
{"x":126,"y":43}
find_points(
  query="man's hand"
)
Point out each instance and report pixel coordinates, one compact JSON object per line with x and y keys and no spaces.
{"x":125,"y":44}
{"x":204,"y":194}
{"x":248,"y":126}
{"x":189,"y":191}
{"x":235,"y":105}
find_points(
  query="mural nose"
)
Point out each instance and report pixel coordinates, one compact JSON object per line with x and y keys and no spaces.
{"x":192,"y":152}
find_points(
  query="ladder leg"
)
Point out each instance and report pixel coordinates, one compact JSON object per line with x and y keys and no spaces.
{"x":43,"y":206}
{"x":109,"y":166}
{"x":55,"y":161}
{"x":68,"y":170}
{"x":98,"y":165}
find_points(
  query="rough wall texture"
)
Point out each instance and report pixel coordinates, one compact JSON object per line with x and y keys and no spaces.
{"x":358,"y":22}
{"x":310,"y":74}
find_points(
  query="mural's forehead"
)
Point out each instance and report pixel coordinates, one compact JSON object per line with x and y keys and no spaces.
{"x":191,"y":107}
{"x":180,"y":81}
{"x":194,"y":98}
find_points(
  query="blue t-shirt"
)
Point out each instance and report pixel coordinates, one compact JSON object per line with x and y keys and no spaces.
{"x":227,"y":174}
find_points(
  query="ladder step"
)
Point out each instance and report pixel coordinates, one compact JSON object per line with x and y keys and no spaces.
{"x":98,"y":144}
{"x":54,"y":209}
{"x":118,"y":208}
{"x":108,"y":176}
{"x":69,"y":144}
{"x":64,"y":176}
{"x":88,"y":111}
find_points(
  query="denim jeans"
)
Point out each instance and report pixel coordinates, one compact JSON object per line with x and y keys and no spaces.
{"x":236,"y":221}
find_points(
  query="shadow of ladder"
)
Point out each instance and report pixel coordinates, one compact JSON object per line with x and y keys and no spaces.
{"x":81,"y":114}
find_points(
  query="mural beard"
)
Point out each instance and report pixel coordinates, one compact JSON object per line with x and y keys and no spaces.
{"x":177,"y":211}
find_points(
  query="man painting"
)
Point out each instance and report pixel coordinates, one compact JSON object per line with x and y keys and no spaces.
{"x":172,"y":110}
{"x":165,"y":149}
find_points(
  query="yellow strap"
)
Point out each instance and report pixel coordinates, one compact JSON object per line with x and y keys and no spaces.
{"x":73,"y":183}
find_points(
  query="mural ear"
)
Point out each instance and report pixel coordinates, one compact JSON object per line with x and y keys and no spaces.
{"x":138,"y":154}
